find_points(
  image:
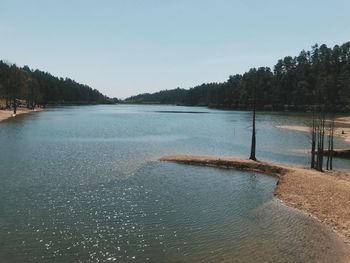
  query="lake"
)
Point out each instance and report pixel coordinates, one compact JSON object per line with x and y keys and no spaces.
{"x":84,"y":184}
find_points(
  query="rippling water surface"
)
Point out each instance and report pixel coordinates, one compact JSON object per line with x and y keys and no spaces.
{"x":84,"y":184}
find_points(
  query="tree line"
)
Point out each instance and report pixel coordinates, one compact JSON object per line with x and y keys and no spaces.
{"x":320,"y":76}
{"x":22,"y":85}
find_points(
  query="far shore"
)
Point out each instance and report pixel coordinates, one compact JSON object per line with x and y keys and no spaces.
{"x":322,"y":195}
{"x":8,"y":114}
{"x":342,"y":129}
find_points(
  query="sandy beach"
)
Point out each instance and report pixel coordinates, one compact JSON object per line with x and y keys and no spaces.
{"x":323,"y":195}
{"x":7,"y":114}
{"x":344,"y":120}
{"x":342,"y":128}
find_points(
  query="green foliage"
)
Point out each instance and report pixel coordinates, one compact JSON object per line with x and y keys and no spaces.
{"x":319,"y":76}
{"x":38,"y":87}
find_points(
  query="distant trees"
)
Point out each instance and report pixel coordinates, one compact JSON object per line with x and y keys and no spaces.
{"x":295,"y":83}
{"x":38,"y":87}
{"x":16,"y":80}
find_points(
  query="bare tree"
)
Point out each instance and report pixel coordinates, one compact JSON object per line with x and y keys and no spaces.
{"x":253,"y":145}
{"x":332,"y":146}
{"x":320,"y":131}
{"x":330,"y":131}
{"x":320,"y":127}
{"x":313,"y":139}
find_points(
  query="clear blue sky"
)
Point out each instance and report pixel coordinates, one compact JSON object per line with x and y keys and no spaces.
{"x":126,"y":47}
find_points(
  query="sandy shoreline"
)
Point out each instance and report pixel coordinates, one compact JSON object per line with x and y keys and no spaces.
{"x":344,"y":120}
{"x":325,"y":196}
{"x":342,"y":128}
{"x":7,"y":114}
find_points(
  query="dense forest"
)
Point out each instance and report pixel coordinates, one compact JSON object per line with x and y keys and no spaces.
{"x":35,"y":87}
{"x":317,"y":77}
